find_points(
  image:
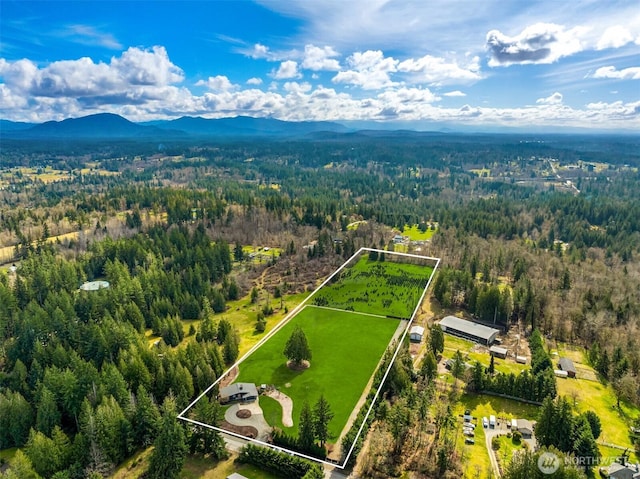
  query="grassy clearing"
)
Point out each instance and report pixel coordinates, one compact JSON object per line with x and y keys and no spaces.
{"x":610,"y":454}
{"x":196,"y":467}
{"x":378,"y":287}
{"x":601,"y":399}
{"x":415,"y":234}
{"x":471,"y":355}
{"x":346,"y":349}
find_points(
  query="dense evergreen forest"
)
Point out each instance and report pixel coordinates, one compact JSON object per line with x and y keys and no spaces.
{"x":543,"y":234}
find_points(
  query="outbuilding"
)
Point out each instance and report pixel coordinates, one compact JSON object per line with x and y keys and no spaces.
{"x":521,"y":359}
{"x":462,"y":328}
{"x":416,"y":334}
{"x":567,"y":365}
{"x":498,"y":352}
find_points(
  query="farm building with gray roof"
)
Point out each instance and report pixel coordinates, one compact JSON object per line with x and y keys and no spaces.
{"x":462,"y":328}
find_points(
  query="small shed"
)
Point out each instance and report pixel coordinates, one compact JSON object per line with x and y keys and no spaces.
{"x":235,"y":475}
{"x":567,"y":365}
{"x":521,"y":359}
{"x":498,"y":352}
{"x":513,"y":425}
{"x":416,"y":334}
{"x":560,"y":373}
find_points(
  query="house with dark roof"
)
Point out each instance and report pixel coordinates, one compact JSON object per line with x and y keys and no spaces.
{"x":524,"y":427}
{"x":242,"y":392}
{"x":565,"y":364}
{"x":462,"y":328}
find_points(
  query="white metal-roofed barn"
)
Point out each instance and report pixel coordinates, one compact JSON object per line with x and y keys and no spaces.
{"x":468,"y":330}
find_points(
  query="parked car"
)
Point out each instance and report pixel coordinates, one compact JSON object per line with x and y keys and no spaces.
{"x":468,"y":440}
{"x":468,"y":432}
{"x":485,"y":422}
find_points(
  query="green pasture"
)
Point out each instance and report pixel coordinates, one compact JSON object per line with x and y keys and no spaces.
{"x":379,"y":287}
{"x":453,"y":344}
{"x":415,"y":234}
{"x":585,"y":394}
{"x":346,"y":348}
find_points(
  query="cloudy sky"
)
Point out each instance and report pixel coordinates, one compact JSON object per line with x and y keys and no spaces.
{"x":473,"y":63}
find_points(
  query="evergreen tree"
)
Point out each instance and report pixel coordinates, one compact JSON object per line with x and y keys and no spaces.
{"x":429,"y":369}
{"x":146,"y":419}
{"x":170,"y":447}
{"x":21,"y":468}
{"x":48,"y":415}
{"x":594,"y":423}
{"x":322,"y":415}
{"x":204,"y":439}
{"x":297,"y":348}
{"x":436,"y":340}
{"x":478,"y":377}
{"x":306,"y":436}
{"x":458,"y":366}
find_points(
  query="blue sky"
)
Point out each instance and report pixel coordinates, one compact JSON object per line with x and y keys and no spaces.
{"x":479,"y":64}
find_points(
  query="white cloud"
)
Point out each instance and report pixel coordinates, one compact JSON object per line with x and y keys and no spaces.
{"x":217,"y":83}
{"x":632,"y":73}
{"x":614,"y":37}
{"x":316,"y":58}
{"x":454,"y":93}
{"x":538,"y":43}
{"x":147,"y":67}
{"x":88,"y":35}
{"x":254,"y":81}
{"x":288,"y":69}
{"x":370,"y":70}
{"x":437,"y":71}
{"x":295,"y":87}
{"x":554,"y":99}
{"x":260,"y":51}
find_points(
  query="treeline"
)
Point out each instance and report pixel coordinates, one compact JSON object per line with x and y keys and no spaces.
{"x":535,"y":385}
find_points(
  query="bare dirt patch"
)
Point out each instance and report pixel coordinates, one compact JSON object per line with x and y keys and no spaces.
{"x":298,"y":366}
{"x":243,"y":413}
{"x":246,"y":431}
{"x":230,"y":377}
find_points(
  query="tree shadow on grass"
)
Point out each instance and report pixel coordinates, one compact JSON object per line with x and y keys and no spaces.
{"x":283,"y":374}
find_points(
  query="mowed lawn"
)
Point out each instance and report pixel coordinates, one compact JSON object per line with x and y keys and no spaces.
{"x":379,"y":287}
{"x":346,"y":348}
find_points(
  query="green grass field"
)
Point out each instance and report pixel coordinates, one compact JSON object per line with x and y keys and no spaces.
{"x":378,"y":287}
{"x":453,"y":343}
{"x":415,"y":234}
{"x":346,"y":348}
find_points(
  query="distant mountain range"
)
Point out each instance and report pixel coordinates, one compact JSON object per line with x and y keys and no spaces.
{"x":110,"y":126}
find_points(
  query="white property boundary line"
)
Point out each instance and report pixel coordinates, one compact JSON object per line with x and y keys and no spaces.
{"x":280,"y":325}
